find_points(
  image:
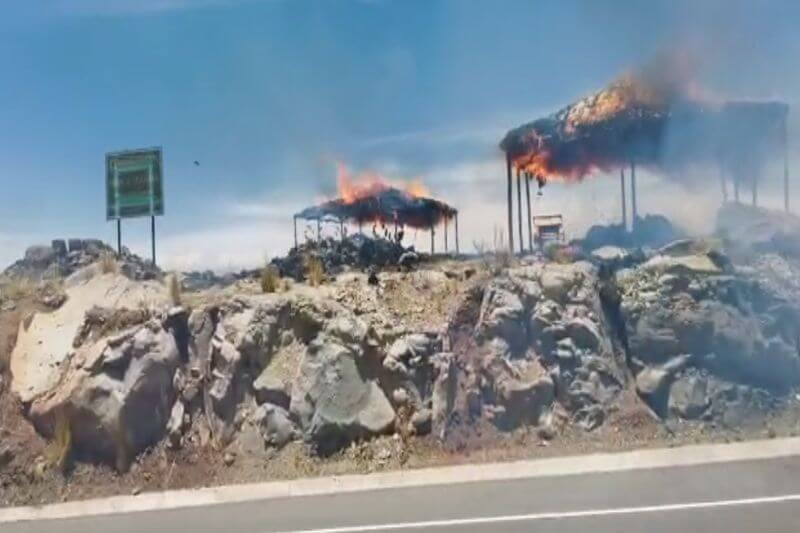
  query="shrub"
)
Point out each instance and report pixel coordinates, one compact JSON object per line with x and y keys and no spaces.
{"x":57,"y":452}
{"x":270,"y":278}
{"x":174,"y":289}
{"x":315,"y":271}
{"x":108,"y":263}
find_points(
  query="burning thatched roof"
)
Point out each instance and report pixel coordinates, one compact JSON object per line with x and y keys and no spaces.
{"x":648,"y":121}
{"x":376,"y":201}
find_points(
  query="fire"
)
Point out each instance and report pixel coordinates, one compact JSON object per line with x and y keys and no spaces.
{"x":368,"y":183}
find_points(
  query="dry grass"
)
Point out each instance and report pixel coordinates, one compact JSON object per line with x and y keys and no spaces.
{"x":57,"y":452}
{"x":315,"y":271}
{"x":174,"y":289}
{"x":270,"y":279}
{"x":108,"y":263}
{"x":16,"y":288}
{"x":559,"y":254}
{"x":496,"y":258}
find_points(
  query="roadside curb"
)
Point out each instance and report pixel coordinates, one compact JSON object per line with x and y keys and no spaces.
{"x":550,"y":467}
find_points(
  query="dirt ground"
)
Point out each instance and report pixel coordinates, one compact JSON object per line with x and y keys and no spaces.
{"x":414,"y":299}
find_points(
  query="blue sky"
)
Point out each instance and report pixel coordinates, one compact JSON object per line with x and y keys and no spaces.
{"x":266,"y":94}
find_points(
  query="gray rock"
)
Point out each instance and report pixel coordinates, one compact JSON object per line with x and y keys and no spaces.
{"x":332,"y":398}
{"x":40,"y":255}
{"x":270,"y":388}
{"x":59,"y":246}
{"x":275,"y":425}
{"x":175,"y":424}
{"x":688,"y":397}
{"x":443,"y":395}
{"x":502,"y":315}
{"x":117,"y":406}
{"x":422,"y":422}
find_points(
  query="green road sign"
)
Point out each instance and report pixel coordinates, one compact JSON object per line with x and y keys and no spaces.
{"x":134,"y":184}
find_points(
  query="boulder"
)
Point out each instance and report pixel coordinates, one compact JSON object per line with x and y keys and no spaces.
{"x":443,"y":397}
{"x":332,"y":397}
{"x":275,"y":425}
{"x":40,"y":255}
{"x":116,"y":397}
{"x":502,"y":315}
{"x":688,"y":397}
{"x":268,"y":387}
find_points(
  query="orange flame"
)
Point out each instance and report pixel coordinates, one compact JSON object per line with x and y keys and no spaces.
{"x":368,"y":183}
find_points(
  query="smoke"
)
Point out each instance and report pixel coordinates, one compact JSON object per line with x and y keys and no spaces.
{"x":655,"y":116}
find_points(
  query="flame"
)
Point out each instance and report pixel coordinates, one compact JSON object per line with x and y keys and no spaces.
{"x":368,"y":183}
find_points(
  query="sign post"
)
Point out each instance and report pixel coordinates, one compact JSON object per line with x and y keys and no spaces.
{"x":135,"y":188}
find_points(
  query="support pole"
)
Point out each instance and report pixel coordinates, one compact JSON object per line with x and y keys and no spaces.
{"x":153,"y":237}
{"x":510,"y":204}
{"x":785,"y":166}
{"x":723,"y":182}
{"x":341,"y":230}
{"x":319,"y":230}
{"x":294,"y":222}
{"x":119,"y":236}
{"x":445,"y":234}
{"x":457,"y":251}
{"x":624,"y":200}
{"x":528,"y":199}
{"x":519,"y":210}
{"x":433,"y":233}
{"x":634,"y":207}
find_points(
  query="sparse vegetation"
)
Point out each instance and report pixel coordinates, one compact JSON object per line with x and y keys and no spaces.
{"x":558,"y":254}
{"x":174,"y":289}
{"x":108,"y":263}
{"x":57,"y":452}
{"x":314,"y":270}
{"x":16,"y":288}
{"x":496,"y":258}
{"x":270,"y":279}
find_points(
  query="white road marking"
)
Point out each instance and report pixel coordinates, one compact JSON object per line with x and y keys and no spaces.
{"x":591,"y":513}
{"x":702,"y":454}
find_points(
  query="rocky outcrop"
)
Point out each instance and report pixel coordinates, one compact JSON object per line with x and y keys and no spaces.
{"x":117,"y":394}
{"x":700,"y":333}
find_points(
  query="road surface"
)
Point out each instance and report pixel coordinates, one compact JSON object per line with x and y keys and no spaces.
{"x":737,"y":496}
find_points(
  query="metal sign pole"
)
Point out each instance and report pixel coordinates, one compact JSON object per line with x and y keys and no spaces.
{"x":119,"y":236}
{"x":153,"y":236}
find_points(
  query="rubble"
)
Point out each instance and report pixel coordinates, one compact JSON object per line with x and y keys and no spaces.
{"x":336,"y":255}
{"x":61,"y":259}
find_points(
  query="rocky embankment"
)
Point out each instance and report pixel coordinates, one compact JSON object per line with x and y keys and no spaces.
{"x":120,"y":368}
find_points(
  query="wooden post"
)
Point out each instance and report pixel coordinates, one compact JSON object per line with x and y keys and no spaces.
{"x":510,"y":204}
{"x":723,"y":182}
{"x":294,"y":221}
{"x":634,"y":207}
{"x":519,"y":210}
{"x":624,"y":200}
{"x":119,"y":236}
{"x":153,"y":237}
{"x":445,"y":234}
{"x":785,"y":166}
{"x":457,"y":251}
{"x":433,"y":233}
{"x":528,"y":199}
{"x":319,"y":230}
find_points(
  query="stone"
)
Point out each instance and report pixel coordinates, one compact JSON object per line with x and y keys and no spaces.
{"x":118,"y":400}
{"x":334,"y":402}
{"x":175,"y":424}
{"x":270,"y":388}
{"x":502,"y":315}
{"x":228,"y":459}
{"x":59,"y":246}
{"x":40,"y":255}
{"x":75,"y":245}
{"x":275,"y":425}
{"x":422,"y":422}
{"x":443,"y":396}
{"x":688,"y":397}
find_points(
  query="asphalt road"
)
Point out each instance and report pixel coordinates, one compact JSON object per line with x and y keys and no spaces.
{"x":738,"y":497}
